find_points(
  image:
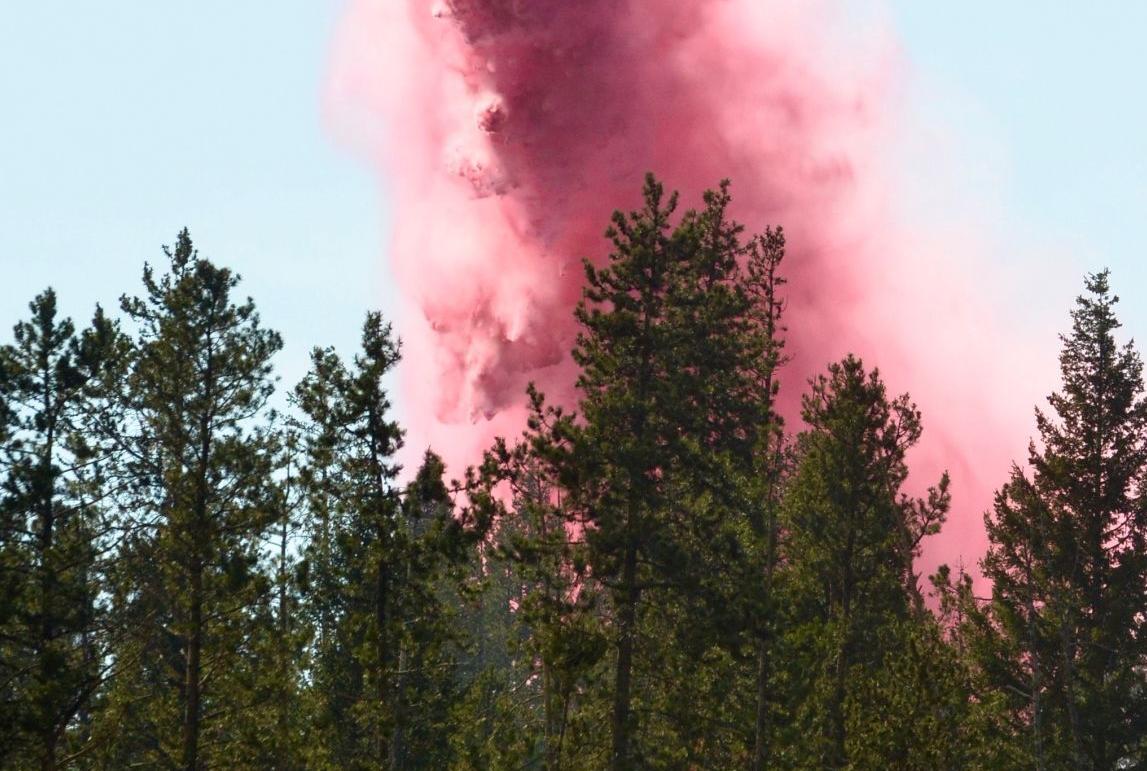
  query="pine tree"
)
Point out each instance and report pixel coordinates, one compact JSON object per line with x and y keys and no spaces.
{"x":988,"y":729}
{"x":196,"y":471}
{"x":437,"y":559}
{"x":273,"y":735}
{"x":626,"y":395}
{"x":354,"y":509}
{"x":316,"y":397}
{"x":51,"y":641}
{"x":1068,"y":555}
{"x":545,"y":604}
{"x":851,"y":538}
{"x":673,"y":405}
{"x":380,"y":568}
{"x":660,"y":579}
{"x":764,"y":474}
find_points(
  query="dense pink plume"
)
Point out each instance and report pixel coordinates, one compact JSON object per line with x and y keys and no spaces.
{"x":508,"y":131}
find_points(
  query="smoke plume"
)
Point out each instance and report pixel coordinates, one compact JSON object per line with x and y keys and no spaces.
{"x":508,"y":130}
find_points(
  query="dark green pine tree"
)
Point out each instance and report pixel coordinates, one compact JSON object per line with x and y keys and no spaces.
{"x":195,"y":471}
{"x":851,"y":538}
{"x":380,"y":567}
{"x":354,"y":506}
{"x":51,"y":642}
{"x":279,"y":631}
{"x":437,"y":559}
{"x":540,"y":604}
{"x":317,"y":398}
{"x":1068,"y":557}
{"x":989,"y":726}
{"x":671,"y":409}
{"x":761,"y":480}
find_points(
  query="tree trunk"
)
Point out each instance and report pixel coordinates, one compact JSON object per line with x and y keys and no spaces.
{"x":397,"y":757}
{"x":199,"y":538}
{"x":382,"y":743}
{"x":398,"y":740}
{"x":1068,"y":649}
{"x":837,"y":730}
{"x":48,"y":760}
{"x":627,"y":618}
{"x":1036,"y":680}
{"x":192,"y":677}
{"x":761,"y":729}
{"x":551,"y":706}
{"x":45,"y":481}
{"x":286,"y":746}
{"x":49,"y":735}
{"x":836,"y":708}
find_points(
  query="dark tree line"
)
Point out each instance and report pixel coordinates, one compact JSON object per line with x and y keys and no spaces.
{"x":662,"y":575}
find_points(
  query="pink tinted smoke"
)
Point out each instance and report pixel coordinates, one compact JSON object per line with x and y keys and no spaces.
{"x":509,"y":130}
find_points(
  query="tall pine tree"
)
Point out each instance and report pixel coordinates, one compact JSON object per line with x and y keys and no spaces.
{"x":1068,"y":556}
{"x":195,"y":472}
{"x":851,"y":538}
{"x":51,"y":632}
{"x":381,"y":567}
{"x":675,"y":401}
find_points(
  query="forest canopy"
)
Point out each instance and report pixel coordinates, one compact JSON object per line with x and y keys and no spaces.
{"x":665,"y":573}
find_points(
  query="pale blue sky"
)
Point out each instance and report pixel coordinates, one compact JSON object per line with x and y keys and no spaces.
{"x":1059,"y":89}
{"x":124,"y":120}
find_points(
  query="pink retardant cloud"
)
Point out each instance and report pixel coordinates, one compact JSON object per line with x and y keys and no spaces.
{"x":509,"y":130}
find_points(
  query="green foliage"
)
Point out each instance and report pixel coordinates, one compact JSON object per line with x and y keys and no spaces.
{"x":851,"y":536}
{"x":193,"y":466}
{"x":1063,"y":638}
{"x":662,"y":578}
{"x":677,"y":390}
{"x":51,"y":645}
{"x":383,"y":572}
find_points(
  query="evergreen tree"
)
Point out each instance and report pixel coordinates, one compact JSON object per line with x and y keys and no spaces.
{"x":627,"y":396}
{"x":851,"y":538}
{"x":380,"y":565}
{"x":1068,"y":556}
{"x":437,"y":561}
{"x":195,"y":469}
{"x":989,"y":730}
{"x":274,"y":734}
{"x":355,"y":508}
{"x":675,"y":399}
{"x":764,"y":476}
{"x":659,"y":579}
{"x":51,"y":641}
{"x":543,"y":605}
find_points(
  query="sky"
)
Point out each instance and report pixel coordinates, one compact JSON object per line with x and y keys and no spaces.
{"x":126,"y":120}
{"x":1056,"y":90}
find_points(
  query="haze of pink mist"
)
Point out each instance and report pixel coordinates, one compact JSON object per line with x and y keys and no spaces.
{"x":508,"y":130}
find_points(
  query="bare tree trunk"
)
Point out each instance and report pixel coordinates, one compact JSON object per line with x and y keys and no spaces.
{"x":1036,"y":680}
{"x":1068,"y":649}
{"x":192,"y":707}
{"x":382,"y":744}
{"x":627,"y":619}
{"x":761,"y":729}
